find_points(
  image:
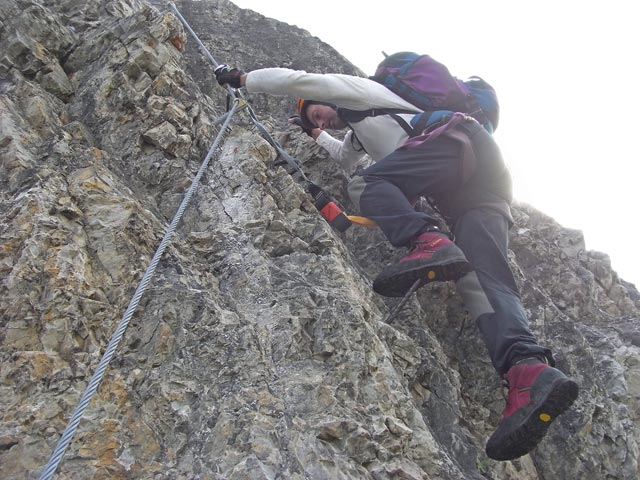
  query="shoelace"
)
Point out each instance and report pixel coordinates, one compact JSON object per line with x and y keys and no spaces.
{"x":415,"y":244}
{"x":505,"y":390}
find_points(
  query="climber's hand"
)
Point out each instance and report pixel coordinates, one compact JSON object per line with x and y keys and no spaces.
{"x":297,"y":121}
{"x":312,"y":132}
{"x":226,"y":75}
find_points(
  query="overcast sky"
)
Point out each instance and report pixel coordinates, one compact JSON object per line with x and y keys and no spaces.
{"x":566,"y":73}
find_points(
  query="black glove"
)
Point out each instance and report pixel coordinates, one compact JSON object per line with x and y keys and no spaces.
{"x":228,"y":75}
{"x":296,"y":120}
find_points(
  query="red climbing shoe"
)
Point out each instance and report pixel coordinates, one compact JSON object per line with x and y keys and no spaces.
{"x":433,"y":258}
{"x":537,"y":395}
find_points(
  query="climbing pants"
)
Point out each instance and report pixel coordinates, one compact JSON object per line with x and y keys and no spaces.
{"x":462,"y":170}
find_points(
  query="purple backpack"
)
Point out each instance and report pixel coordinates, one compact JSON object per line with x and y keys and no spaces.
{"x":428,"y":85}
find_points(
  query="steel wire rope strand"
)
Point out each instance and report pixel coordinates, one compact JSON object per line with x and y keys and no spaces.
{"x":97,"y":377}
{"x":234,"y":93}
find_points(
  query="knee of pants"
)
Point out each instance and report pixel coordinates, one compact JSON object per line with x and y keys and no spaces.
{"x":355,"y":188}
{"x":473,"y":295}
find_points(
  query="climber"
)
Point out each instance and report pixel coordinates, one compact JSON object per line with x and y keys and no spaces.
{"x":458,"y":165}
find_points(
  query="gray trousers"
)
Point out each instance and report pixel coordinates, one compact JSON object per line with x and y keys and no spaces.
{"x":463,"y":171}
{"x":490,"y":293}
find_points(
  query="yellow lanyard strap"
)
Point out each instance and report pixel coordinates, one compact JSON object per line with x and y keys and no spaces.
{"x":363,"y":221}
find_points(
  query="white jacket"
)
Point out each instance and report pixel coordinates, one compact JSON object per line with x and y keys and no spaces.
{"x":379,"y":135}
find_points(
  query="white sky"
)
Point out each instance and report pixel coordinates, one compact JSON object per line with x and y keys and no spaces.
{"x":566,"y":74}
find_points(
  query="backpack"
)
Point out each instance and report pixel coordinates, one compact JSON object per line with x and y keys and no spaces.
{"x":427,"y":84}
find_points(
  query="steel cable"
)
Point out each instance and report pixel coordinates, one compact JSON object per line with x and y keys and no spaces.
{"x":237,"y":93}
{"x":97,"y":377}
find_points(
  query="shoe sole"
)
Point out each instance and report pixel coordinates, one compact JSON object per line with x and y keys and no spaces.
{"x":535,"y":426}
{"x":398,"y":284}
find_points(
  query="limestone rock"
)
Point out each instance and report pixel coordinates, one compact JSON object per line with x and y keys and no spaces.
{"x":259,"y":350}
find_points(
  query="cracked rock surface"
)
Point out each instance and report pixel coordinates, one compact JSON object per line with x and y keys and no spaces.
{"x":259,"y":350}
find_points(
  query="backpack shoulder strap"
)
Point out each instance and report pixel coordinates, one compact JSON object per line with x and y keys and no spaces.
{"x":354,"y":116}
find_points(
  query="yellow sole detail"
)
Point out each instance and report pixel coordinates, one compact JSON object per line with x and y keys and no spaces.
{"x":431,"y":275}
{"x":545,"y":417}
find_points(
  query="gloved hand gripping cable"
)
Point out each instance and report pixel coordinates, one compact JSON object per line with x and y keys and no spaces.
{"x":230,"y":77}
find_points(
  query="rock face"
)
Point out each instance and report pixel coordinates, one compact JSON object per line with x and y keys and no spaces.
{"x":259,"y":350}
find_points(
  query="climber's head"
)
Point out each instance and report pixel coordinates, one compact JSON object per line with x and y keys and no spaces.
{"x":316,"y":114}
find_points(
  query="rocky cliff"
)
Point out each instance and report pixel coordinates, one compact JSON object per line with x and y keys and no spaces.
{"x":259,"y":350}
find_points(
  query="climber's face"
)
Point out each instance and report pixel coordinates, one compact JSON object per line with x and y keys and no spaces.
{"x":324,"y":117}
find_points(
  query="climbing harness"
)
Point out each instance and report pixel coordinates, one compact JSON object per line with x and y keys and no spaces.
{"x":238,"y":103}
